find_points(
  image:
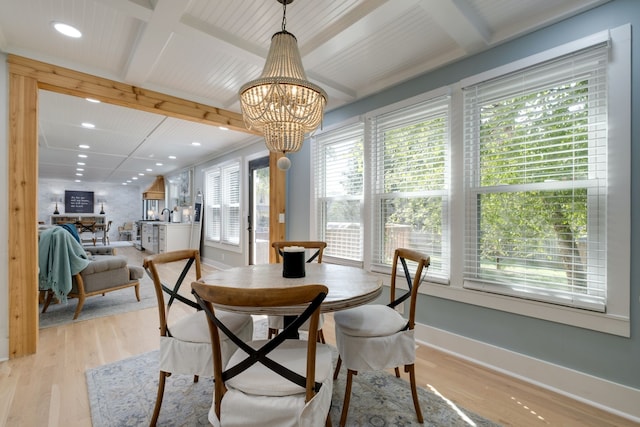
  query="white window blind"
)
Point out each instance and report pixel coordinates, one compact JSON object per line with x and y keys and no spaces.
{"x":410,"y":173}
{"x":231,"y":197}
{"x":339,"y":179}
{"x":213,"y":200}
{"x":222,"y":189}
{"x":536,"y":181}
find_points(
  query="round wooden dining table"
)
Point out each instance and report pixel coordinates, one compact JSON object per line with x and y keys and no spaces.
{"x":348,"y":286}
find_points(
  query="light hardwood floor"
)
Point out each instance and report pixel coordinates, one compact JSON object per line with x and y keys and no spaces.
{"x":49,"y":388}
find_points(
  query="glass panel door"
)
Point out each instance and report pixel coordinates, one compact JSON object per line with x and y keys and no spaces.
{"x":259,"y":211}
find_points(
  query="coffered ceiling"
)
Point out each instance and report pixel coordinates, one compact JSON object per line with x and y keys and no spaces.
{"x":204,"y":50}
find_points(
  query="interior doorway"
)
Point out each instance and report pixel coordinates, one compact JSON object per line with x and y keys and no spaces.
{"x":258,"y":220}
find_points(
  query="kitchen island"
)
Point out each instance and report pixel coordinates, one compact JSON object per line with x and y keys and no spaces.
{"x":161,"y":237}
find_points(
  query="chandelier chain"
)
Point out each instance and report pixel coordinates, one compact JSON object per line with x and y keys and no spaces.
{"x":284,"y":15}
{"x":281,"y":103}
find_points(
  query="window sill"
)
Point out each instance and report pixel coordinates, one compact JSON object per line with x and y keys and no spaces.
{"x":224,"y":246}
{"x":601,"y":322}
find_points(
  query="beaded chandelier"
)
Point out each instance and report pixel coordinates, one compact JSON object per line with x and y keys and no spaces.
{"x":282,"y":103}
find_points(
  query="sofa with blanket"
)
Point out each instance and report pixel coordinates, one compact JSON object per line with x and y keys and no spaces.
{"x":69,"y":270}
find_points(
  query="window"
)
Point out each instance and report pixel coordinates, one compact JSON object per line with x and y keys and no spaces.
{"x":536,"y":179}
{"x":515,"y":181}
{"x":222,"y":189}
{"x":339,"y":180}
{"x":410,"y":166}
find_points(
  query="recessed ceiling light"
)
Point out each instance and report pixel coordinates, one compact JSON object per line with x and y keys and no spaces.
{"x":95,"y":101}
{"x":222,"y":128}
{"x":80,"y":169}
{"x":67,"y":30}
{"x":81,"y":163}
{"x":85,"y":146}
{"x":158,"y":164}
{"x":78,"y":180}
{"x":149,"y":170}
{"x":83,"y":156}
{"x":78,"y":174}
{"x":172,"y":157}
{"x":196,"y":144}
{"x":140,"y":174}
{"x":129,"y":180}
{"x":124,"y":183}
{"x":88,"y":125}
{"x":134,"y":178}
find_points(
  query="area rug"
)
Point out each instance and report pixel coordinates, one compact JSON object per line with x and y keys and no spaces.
{"x":116,"y":302}
{"x":123,"y":394}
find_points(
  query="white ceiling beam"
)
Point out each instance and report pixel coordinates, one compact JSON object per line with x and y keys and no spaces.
{"x":351,"y":30}
{"x":458,"y":20}
{"x":409,"y":72}
{"x":341,"y":24}
{"x":201,"y":33}
{"x":130,"y":8}
{"x":155,"y":37}
{"x":543,"y":18}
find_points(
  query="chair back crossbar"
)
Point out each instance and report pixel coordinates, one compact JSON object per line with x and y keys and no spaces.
{"x":311,"y":258}
{"x":173,"y":292}
{"x":276,"y":323}
{"x":260,"y":355}
{"x":178,"y":354}
{"x":402,"y":255}
{"x":369,"y":345}
{"x":311,"y":295}
{"x":318,"y":245}
{"x":407,"y":294}
{"x":150,"y":266}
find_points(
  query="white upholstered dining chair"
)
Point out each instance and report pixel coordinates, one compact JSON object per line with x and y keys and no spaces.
{"x":271,"y":383}
{"x":315,"y":250}
{"x":375,"y":337}
{"x":185,"y":344}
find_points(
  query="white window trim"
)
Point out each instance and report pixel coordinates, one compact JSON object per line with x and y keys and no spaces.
{"x":224,"y":245}
{"x":369,"y":223}
{"x":370,"y":201}
{"x":617,"y":318}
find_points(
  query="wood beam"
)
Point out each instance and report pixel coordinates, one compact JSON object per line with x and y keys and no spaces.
{"x":23,"y":218}
{"x":70,"y":82}
{"x":277,"y":202}
{"x":26,"y":77}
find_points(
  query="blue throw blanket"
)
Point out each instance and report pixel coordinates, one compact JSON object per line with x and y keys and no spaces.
{"x":60,"y":256}
{"x":71,"y":228}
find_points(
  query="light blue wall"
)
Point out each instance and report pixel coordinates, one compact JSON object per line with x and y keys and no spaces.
{"x":218,"y":255}
{"x":606,"y":356}
{"x":298,"y":196}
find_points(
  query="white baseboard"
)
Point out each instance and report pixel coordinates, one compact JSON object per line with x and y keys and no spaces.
{"x":615,"y":398}
{"x":215,"y":264}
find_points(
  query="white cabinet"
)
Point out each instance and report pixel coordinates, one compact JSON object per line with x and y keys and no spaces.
{"x":149,"y":237}
{"x":172,"y":237}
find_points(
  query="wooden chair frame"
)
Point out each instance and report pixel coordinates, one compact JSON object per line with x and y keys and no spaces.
{"x":150,"y":264}
{"x":278,"y":248}
{"x":319,"y":245}
{"x":400,"y":256}
{"x":105,"y":234}
{"x":312,"y":295}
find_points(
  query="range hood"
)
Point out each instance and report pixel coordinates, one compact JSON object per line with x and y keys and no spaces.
{"x":156,"y":190}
